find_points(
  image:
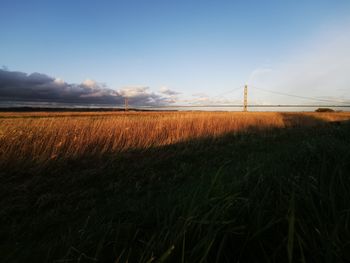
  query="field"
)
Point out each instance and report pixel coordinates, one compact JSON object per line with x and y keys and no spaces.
{"x":174,"y":187}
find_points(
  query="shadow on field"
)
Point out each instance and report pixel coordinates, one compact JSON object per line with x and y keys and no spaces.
{"x":295,"y":120}
{"x":274,"y":195}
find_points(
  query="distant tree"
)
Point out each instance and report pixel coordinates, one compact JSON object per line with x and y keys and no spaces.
{"x":324,"y":110}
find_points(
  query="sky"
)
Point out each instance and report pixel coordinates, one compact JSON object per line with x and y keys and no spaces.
{"x":174,"y":52}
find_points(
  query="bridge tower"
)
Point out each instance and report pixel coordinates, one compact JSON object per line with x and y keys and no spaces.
{"x":126,"y":103}
{"x":245,"y":102}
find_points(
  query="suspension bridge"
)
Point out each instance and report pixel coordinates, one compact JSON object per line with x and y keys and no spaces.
{"x":326,"y":103}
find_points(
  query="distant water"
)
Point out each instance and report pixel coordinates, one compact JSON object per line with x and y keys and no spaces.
{"x":15,"y":104}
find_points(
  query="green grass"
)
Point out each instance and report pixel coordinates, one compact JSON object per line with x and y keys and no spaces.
{"x":276,"y":196}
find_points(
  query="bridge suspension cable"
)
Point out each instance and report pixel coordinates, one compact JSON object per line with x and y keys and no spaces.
{"x":298,"y":96}
{"x":227,"y":92}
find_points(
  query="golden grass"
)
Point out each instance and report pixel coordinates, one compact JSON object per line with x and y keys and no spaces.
{"x":45,"y":136}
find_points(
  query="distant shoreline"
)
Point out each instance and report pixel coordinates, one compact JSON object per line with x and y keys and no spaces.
{"x":109,"y":109}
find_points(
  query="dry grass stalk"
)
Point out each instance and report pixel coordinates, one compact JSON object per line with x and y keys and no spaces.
{"x":72,"y":135}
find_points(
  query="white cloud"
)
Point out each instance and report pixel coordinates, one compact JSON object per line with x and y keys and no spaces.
{"x":89,"y":83}
{"x":59,"y":81}
{"x":134,"y":91}
{"x":143,"y":96}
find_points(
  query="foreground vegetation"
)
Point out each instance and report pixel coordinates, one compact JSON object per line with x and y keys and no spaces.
{"x":175,"y":187}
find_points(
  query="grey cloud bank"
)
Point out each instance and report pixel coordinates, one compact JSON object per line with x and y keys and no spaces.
{"x":40,"y":88}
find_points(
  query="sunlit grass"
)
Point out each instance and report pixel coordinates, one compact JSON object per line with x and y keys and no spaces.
{"x":44,"y":136}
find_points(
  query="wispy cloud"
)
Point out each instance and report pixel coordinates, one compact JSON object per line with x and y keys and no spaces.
{"x":165,"y":90}
{"x":318,"y":69}
{"x":204,"y":99}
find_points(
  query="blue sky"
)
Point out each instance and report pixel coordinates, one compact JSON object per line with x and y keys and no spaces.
{"x":191,"y":47}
